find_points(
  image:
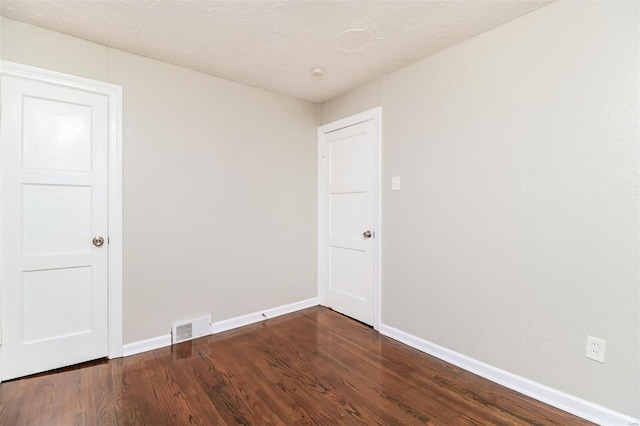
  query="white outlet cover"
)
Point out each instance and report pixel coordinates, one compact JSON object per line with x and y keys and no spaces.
{"x":596,"y":349}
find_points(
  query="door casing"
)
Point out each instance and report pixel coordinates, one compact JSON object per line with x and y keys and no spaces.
{"x":374,"y":114}
{"x":114,"y":182}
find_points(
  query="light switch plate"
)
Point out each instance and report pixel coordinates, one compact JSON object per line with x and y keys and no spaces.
{"x":395,"y":183}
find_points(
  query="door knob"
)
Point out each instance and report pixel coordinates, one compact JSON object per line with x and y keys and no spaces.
{"x":98,"y":241}
{"x":367,"y":234}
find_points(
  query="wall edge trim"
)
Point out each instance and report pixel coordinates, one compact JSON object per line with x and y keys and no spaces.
{"x":558,"y":399}
{"x":146,"y":345}
{"x":242,"y":320}
{"x":163,"y":341}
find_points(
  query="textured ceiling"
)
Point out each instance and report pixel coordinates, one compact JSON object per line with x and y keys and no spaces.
{"x":274,"y":44}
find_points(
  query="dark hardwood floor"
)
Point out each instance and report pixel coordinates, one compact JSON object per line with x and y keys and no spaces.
{"x":311,"y":367}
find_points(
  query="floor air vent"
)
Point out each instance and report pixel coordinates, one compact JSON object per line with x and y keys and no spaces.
{"x":192,"y":329}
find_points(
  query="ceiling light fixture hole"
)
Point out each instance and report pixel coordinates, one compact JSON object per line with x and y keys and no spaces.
{"x":354,"y":40}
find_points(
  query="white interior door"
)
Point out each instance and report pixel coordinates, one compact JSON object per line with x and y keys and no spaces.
{"x":53,"y":276}
{"x":349,"y":220}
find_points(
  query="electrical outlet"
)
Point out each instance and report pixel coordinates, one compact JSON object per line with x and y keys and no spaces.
{"x":596,"y":349}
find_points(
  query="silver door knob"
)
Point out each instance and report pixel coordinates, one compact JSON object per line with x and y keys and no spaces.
{"x":98,"y":241}
{"x":367,"y":234}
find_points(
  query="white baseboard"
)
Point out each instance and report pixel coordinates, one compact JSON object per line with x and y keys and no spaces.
{"x":569,"y":403}
{"x":220,"y":326}
{"x":146,"y":345}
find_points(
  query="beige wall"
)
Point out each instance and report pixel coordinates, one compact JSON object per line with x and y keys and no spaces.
{"x":515,"y":234}
{"x":219,"y":185}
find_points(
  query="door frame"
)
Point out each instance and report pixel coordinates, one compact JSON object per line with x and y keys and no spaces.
{"x":114,"y":182}
{"x":374,"y":114}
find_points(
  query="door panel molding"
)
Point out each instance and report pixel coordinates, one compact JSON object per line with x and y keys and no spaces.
{"x":374,"y":115}
{"x":114,"y":179}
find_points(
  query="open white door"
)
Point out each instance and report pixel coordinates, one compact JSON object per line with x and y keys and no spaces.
{"x":53,"y":269}
{"x":349,"y":215}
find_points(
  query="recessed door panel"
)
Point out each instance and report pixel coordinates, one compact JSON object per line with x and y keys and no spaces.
{"x":347,"y":211}
{"x":348,"y":157}
{"x":63,"y":296}
{"x":57,"y":135}
{"x":346,"y":277}
{"x":66,"y":226}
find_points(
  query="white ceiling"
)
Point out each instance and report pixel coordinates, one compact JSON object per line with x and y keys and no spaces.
{"x":274,"y":44}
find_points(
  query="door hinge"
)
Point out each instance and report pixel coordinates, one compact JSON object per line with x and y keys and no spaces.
{"x":0,"y":336}
{"x":322,"y":151}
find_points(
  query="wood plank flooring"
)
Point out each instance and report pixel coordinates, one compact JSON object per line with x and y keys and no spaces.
{"x":311,"y":367}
